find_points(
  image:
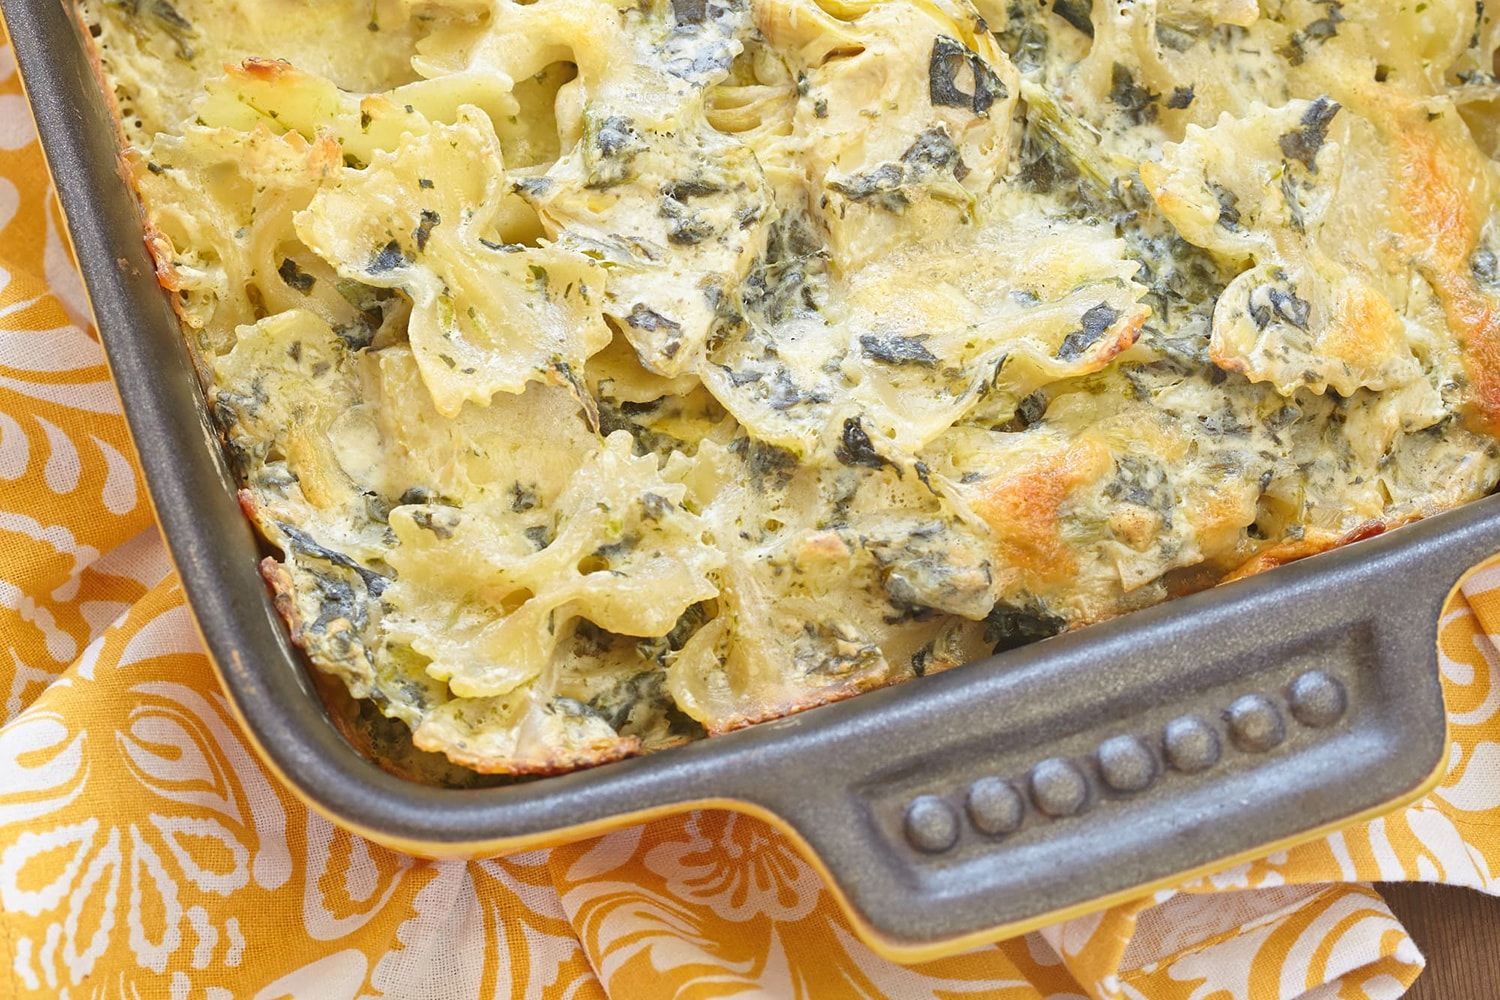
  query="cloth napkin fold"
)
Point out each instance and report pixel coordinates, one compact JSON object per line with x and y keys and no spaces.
{"x":145,"y":852}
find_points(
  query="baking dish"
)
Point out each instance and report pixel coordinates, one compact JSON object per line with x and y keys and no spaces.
{"x":974,"y":804}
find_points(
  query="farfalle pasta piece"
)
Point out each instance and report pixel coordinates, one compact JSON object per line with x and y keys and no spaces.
{"x":283,"y":97}
{"x":621,"y":552}
{"x":1258,"y":188}
{"x":767,"y":655}
{"x":483,"y":456}
{"x":823,"y":595}
{"x":280,"y":395}
{"x":678,"y":227}
{"x":220,"y":204}
{"x":1042,"y":301}
{"x":486,"y":317}
{"x":904,"y":124}
{"x":915,"y":345}
{"x":537,"y":728}
{"x":601,"y":697}
{"x":677,"y":210}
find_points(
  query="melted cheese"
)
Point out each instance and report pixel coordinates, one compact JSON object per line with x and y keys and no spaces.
{"x":612,"y":375}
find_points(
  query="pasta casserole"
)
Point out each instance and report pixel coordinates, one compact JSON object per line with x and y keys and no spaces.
{"x":613,"y":373}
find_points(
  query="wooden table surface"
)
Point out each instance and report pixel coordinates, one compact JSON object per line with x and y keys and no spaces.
{"x":1459,"y":932}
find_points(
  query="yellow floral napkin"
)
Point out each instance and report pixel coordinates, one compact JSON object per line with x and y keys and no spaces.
{"x":144,"y":852}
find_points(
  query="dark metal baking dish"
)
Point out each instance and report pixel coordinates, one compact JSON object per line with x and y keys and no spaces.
{"x":1206,"y":729}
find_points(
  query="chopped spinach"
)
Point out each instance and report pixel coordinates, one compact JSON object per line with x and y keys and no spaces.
{"x":523,"y":498}
{"x":1011,"y":627}
{"x":617,"y":416}
{"x":689,"y":230}
{"x":1316,"y":32}
{"x":533,"y":187}
{"x":1097,"y":320}
{"x":768,"y":464}
{"x":1031,"y":409}
{"x":1077,"y":13}
{"x":304,"y":544}
{"x":633,"y":706}
{"x":1024,"y":39}
{"x":898,"y":349}
{"x":295,"y":277}
{"x":1268,"y":301}
{"x":337,"y":602}
{"x":573,"y":708}
{"x":1229,"y":206}
{"x":611,"y":144}
{"x":855,"y":448}
{"x":615,"y":135}
{"x":654,"y":506}
{"x":1302,"y":143}
{"x":682,"y":190}
{"x":689,"y":11}
{"x":949,"y":57}
{"x":1485,"y":268}
{"x":882,"y":185}
{"x":935,"y":152}
{"x":440,"y":521}
{"x":1137,"y":103}
{"x":643,"y":317}
{"x":1181,"y":97}
{"x":168,"y":18}
{"x":784,"y":392}
{"x":1143,"y":483}
{"x":885,"y":186}
{"x":612,"y":552}
{"x":429,"y":220}
{"x":389,"y":258}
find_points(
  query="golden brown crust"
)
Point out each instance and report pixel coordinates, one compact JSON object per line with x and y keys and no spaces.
{"x":157,"y":243}
{"x":1477,"y":317}
{"x":556,"y":762}
{"x":1023,"y":512}
{"x":1436,"y":196}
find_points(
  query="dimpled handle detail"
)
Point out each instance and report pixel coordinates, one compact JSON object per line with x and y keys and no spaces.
{"x":931,"y":824}
{"x":1317,"y":699}
{"x":1124,"y":763}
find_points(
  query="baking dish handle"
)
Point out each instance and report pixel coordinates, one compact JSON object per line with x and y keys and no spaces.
{"x":1094,"y":764}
